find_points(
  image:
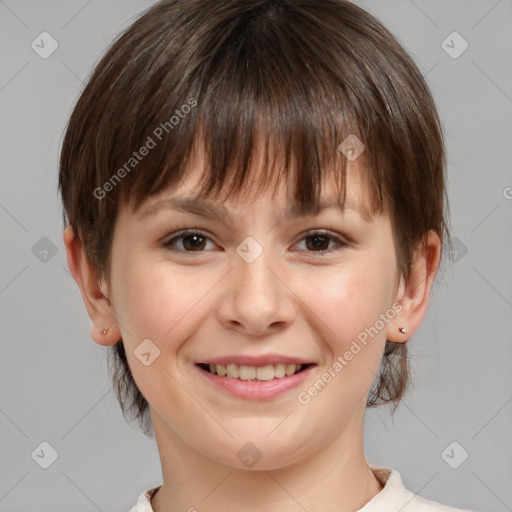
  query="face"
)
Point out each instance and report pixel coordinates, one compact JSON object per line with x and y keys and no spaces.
{"x":257,"y":287}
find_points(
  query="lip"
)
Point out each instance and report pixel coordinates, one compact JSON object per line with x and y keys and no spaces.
{"x":247,"y":360}
{"x":256,"y":390}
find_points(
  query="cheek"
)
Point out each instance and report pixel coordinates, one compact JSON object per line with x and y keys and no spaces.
{"x":352,"y":299}
{"x":349,"y":304}
{"x":158,"y":302}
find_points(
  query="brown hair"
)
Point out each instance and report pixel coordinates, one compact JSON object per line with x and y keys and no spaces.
{"x":297,"y":75}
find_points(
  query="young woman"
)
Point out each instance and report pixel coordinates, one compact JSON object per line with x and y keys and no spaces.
{"x":255,"y":208}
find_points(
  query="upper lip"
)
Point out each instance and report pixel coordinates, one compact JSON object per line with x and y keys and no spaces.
{"x":247,"y":360}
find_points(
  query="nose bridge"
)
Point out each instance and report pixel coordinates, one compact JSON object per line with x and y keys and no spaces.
{"x":251,"y":269}
{"x":256,"y":299}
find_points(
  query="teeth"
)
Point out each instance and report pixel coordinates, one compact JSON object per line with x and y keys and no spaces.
{"x":290,"y":369}
{"x":233,"y":371}
{"x":279,"y":370}
{"x":243,"y":372}
{"x":265,"y":372}
{"x":247,"y":372}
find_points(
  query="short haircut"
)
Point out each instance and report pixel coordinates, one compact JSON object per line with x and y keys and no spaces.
{"x":294,"y":77}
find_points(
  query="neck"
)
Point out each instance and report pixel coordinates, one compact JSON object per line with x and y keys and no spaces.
{"x":335,"y":478}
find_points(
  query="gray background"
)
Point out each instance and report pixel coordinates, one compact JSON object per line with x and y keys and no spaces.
{"x":53,"y":380}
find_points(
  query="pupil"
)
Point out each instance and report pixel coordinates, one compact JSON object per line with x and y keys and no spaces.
{"x":194,"y":245}
{"x":318,"y":238}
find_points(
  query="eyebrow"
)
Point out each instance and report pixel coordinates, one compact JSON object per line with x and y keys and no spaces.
{"x":218,"y":211}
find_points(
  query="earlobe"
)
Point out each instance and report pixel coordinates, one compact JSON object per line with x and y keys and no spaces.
{"x":413,"y":295}
{"x":106,"y":336}
{"x":104,"y":329}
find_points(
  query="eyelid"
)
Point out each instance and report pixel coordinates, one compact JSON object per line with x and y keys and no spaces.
{"x":340,"y":240}
{"x":186,"y":232}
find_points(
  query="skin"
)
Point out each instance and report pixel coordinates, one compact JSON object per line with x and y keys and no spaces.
{"x":291,"y":300}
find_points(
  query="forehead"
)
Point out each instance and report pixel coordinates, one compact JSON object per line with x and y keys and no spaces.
{"x":185,"y":198}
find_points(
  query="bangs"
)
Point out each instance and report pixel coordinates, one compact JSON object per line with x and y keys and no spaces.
{"x":261,"y":102}
{"x":247,"y":154}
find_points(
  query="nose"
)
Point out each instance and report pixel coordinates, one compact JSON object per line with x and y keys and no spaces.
{"x":256,"y":298}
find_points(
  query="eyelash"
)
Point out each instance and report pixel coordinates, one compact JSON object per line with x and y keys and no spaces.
{"x":195,"y":232}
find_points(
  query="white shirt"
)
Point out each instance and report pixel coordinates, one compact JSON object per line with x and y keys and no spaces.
{"x":394,"y":497}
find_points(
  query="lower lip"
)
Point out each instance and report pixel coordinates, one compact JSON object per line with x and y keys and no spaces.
{"x":257,"y":389}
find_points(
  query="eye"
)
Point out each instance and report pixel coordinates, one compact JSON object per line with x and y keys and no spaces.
{"x":192,"y":240}
{"x":318,"y":241}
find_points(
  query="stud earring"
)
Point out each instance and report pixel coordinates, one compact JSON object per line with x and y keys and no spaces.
{"x":104,"y":331}
{"x":403,"y":330}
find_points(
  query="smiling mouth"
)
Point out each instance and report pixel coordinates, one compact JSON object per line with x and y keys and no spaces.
{"x":264,"y":373}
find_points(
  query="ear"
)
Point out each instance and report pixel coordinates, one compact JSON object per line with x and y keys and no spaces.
{"x":98,"y":305}
{"x":414,"y":295}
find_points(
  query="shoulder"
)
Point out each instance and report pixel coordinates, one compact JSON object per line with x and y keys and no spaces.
{"x":420,"y":504}
{"x":144,"y":501}
{"x":395,"y":497}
